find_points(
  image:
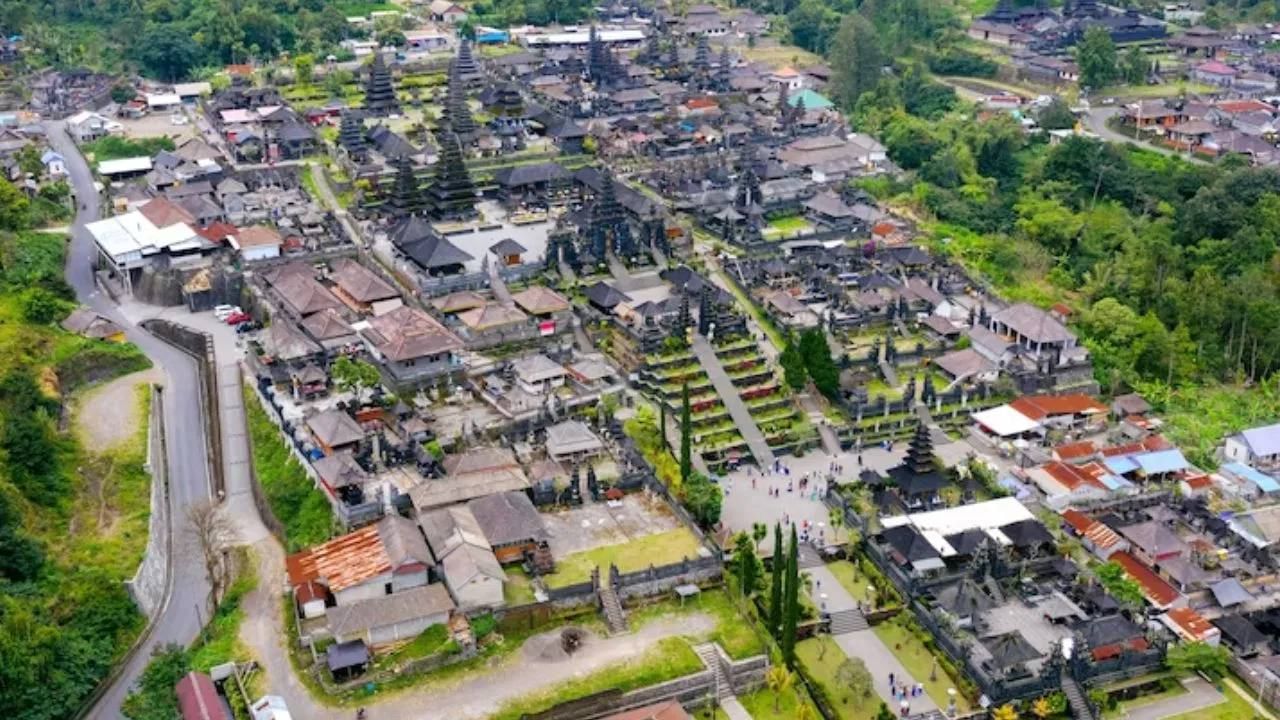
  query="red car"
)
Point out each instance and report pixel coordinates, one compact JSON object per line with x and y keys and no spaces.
{"x":237,"y":318}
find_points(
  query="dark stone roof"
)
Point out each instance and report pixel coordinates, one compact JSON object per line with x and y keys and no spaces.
{"x":908,"y":541}
{"x":1109,"y":630}
{"x":1010,"y":649}
{"x":1027,"y":533}
{"x":507,"y":246}
{"x":521,"y":175}
{"x":967,"y":542}
{"x":347,"y":655}
{"x":604,"y":295}
{"x":1239,"y":631}
{"x":417,"y":239}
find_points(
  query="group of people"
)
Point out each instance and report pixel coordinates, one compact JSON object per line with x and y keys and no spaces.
{"x":904,"y":693}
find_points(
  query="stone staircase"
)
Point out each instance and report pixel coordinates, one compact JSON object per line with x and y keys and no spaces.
{"x":847,"y":621}
{"x":1079,"y":704}
{"x":929,"y":715}
{"x":710,"y":656}
{"x":807,"y":556}
{"x":615,"y":618}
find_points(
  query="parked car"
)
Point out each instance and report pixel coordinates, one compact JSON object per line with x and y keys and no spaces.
{"x":222,"y":312}
{"x":237,"y":318}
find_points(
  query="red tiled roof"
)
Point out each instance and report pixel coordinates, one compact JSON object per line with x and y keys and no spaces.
{"x":700,"y":103}
{"x":1061,"y":309}
{"x":162,"y":213}
{"x":1038,"y":407}
{"x":1240,"y":106}
{"x":1099,"y":534}
{"x":1199,"y":482}
{"x":1075,"y":451}
{"x":1157,"y":591}
{"x":1191,"y":622}
{"x":1151,"y":443}
{"x":1137,"y":644}
{"x":217,"y":232}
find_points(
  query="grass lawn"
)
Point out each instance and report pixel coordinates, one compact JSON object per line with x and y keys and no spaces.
{"x":733,"y":631}
{"x":112,"y":512}
{"x":821,"y":656}
{"x":638,"y":554}
{"x":789,"y":225}
{"x":760,"y":704}
{"x":781,"y":55}
{"x":918,"y":661}
{"x":669,"y":659}
{"x":1122,"y":709}
{"x":850,"y":579}
{"x":220,"y":642}
{"x":1154,"y":91}
{"x":518,"y":589}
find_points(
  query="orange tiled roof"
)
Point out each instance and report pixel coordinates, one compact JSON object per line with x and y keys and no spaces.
{"x":1157,"y":591}
{"x":342,"y":562}
{"x":1099,"y":534}
{"x":1192,"y":622}
{"x":1038,"y":407}
{"x":1075,"y":451}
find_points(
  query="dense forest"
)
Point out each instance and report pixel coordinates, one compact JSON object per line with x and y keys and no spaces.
{"x":64,"y":613}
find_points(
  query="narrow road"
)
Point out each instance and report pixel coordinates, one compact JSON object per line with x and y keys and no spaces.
{"x":728,"y":392}
{"x":181,"y":614}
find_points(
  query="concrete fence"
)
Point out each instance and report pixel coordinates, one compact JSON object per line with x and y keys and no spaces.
{"x":147,"y":586}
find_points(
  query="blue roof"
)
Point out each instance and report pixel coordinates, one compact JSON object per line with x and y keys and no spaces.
{"x":1121,"y":464}
{"x":1263,"y":440}
{"x":1265,"y":483}
{"x":1114,"y":482}
{"x":493,"y":36}
{"x":1162,"y":461}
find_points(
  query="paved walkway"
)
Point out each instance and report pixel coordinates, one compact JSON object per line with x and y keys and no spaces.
{"x":1200,"y":695}
{"x":746,"y":425}
{"x":733,"y":708}
{"x":865,"y":644}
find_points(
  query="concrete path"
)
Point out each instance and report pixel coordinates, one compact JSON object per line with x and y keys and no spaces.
{"x":498,"y":286}
{"x":733,"y":708}
{"x":1200,"y":695}
{"x":732,"y":401}
{"x":865,"y":644}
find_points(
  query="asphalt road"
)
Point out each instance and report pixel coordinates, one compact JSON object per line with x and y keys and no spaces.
{"x":185,"y":607}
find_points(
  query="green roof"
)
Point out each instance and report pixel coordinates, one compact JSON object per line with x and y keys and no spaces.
{"x":812,"y":100}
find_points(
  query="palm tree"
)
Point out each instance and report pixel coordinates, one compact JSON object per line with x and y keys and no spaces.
{"x":805,"y":711}
{"x":1040,"y":708}
{"x":1004,"y":712}
{"x":836,"y":517}
{"x":778,"y":679}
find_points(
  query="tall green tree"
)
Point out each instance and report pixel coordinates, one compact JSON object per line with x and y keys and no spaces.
{"x":686,"y":434}
{"x":793,"y":370}
{"x":1096,"y":56}
{"x":791,"y":602}
{"x":747,"y":563}
{"x":778,"y":565}
{"x":1135,"y":66}
{"x":856,"y":59}
{"x":818,"y":363}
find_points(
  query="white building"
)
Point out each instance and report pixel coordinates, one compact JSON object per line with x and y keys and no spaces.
{"x":127,"y":243}
{"x":88,"y":126}
{"x":1255,"y":445}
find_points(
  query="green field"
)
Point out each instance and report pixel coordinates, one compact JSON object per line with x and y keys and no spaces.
{"x":656,"y":549}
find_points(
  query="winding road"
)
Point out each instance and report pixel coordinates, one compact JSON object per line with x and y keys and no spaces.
{"x":183,"y":610}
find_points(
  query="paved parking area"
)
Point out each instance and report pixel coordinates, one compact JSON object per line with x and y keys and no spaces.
{"x":596,"y":524}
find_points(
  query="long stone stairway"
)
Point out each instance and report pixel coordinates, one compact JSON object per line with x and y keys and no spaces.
{"x":807,"y":556}
{"x":706,"y":354}
{"x":615,"y":618}
{"x":1080,"y":707}
{"x":712,"y":657}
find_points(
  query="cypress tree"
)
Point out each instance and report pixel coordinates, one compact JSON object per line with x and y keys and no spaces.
{"x":686,"y":435}
{"x":791,"y":602}
{"x":662,"y":425}
{"x":775,"y":587}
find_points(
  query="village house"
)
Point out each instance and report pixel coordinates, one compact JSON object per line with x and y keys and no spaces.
{"x":385,"y":558}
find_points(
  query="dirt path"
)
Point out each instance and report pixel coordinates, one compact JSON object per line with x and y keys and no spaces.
{"x":478,"y":695}
{"x":107,"y":415}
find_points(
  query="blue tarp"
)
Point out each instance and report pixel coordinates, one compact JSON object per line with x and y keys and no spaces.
{"x":1114,"y":482}
{"x":493,"y":36}
{"x":1265,"y":483}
